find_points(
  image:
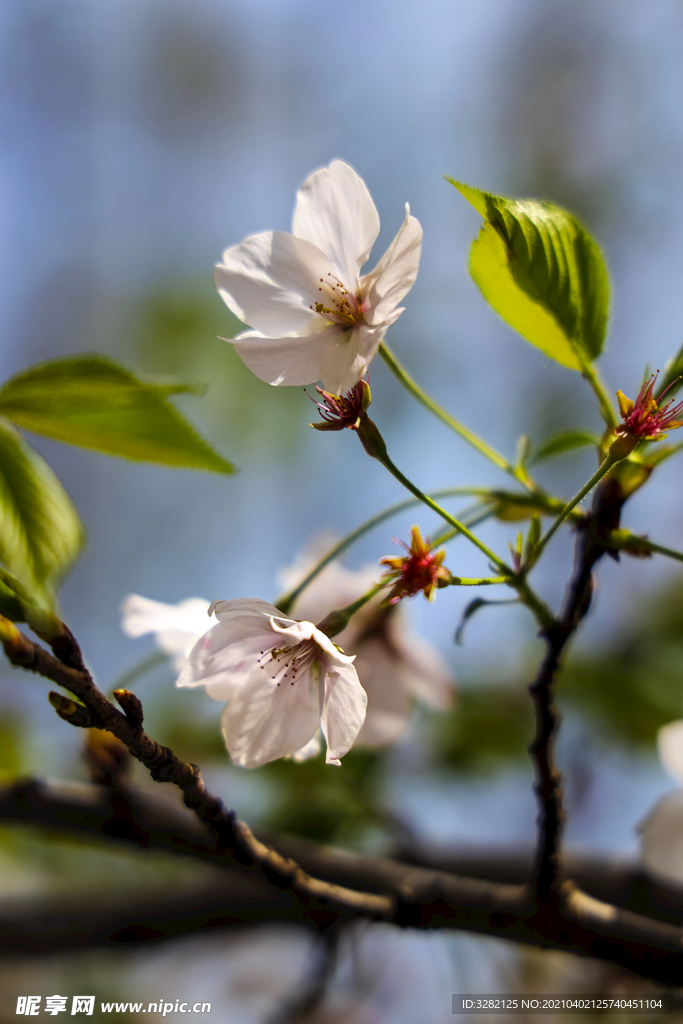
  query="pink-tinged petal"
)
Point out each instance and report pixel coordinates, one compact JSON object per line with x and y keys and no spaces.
{"x":335,"y":212}
{"x":335,"y":587}
{"x":265,"y":720}
{"x":424,"y":674}
{"x":670,"y":748}
{"x":223,"y":661}
{"x":395,"y":274}
{"x":344,"y":365}
{"x":245,"y":607}
{"x":271,"y":280}
{"x":344,"y":703}
{"x":390,"y":704}
{"x":291,"y":630}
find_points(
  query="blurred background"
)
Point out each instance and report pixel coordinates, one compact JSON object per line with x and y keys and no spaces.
{"x":140,"y":138}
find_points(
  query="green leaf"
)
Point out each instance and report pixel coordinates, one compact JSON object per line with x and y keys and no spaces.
{"x":93,"y":402}
{"x":672,"y":380}
{"x":40,"y":532}
{"x":542,"y":273}
{"x":565,"y":441}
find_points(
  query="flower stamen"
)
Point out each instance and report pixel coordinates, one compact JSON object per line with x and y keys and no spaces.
{"x":291,"y":661}
{"x":646,"y":419}
{"x":341,"y":411}
{"x":342,"y":307}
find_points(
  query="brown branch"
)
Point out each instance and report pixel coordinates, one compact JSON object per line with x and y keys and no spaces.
{"x":414,"y":896}
{"x":326,"y":902}
{"x":592,"y":543}
{"x":407,"y":896}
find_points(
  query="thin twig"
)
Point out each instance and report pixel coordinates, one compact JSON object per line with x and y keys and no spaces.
{"x":407,"y":896}
{"x":592,"y":544}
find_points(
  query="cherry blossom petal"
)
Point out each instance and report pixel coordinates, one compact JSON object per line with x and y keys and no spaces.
{"x":395,"y":274}
{"x":270,"y":282}
{"x":223,"y":661}
{"x":670,"y":748}
{"x":424,"y":673}
{"x":265,"y":720}
{"x":661,"y":837}
{"x":331,"y":355}
{"x":177,"y":627}
{"x":142,"y":615}
{"x":344,"y":702}
{"x":244,"y":617}
{"x":335,"y":211}
{"x":390,"y":703}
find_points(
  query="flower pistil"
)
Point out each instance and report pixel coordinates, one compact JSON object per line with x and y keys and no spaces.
{"x":344,"y":309}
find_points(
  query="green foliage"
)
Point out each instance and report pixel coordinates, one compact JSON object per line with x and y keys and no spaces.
{"x":559,"y":444}
{"x":633,"y":687}
{"x":180,"y":332}
{"x":672,"y":380}
{"x":542,"y":273}
{"x":13,"y":598}
{"x":626,"y":690}
{"x":93,"y":402}
{"x":315,"y":801}
{"x":488,"y":725}
{"x":40,"y":532}
{"x":12,"y":746}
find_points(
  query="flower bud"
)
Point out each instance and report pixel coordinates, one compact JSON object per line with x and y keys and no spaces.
{"x":371,"y":439}
{"x":70,"y":710}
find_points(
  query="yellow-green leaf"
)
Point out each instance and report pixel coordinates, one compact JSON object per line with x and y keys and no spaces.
{"x":93,"y":402}
{"x":40,"y":532}
{"x":542,"y":273}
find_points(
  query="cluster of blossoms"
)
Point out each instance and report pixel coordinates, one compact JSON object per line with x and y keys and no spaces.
{"x":282,"y":679}
{"x":313,"y":317}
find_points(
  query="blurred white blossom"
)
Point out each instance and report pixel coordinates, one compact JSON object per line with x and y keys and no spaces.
{"x":176,"y":627}
{"x":661,"y":833}
{"x":313,"y":316}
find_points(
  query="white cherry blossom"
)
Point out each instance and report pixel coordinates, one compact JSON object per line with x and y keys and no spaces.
{"x":282,"y":679}
{"x":176,"y":627}
{"x":396,"y":667}
{"x":313,"y":317}
{"x":661,"y":833}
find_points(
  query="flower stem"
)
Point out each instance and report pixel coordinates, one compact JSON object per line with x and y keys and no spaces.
{"x":374,"y":445}
{"x":286,"y":601}
{"x":152,"y":661}
{"x":337,"y":621}
{"x":602,"y":471}
{"x":482,"y":581}
{"x":464,"y":432}
{"x":589,"y":373}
